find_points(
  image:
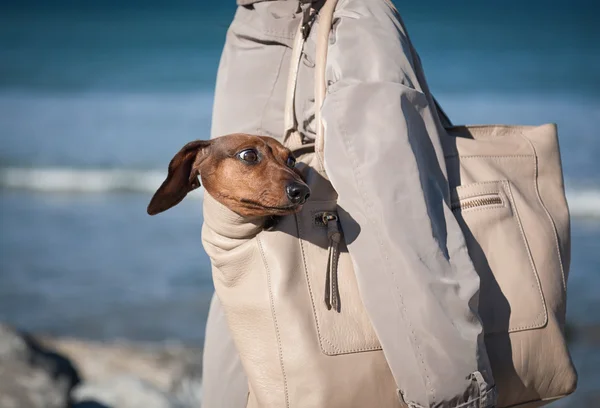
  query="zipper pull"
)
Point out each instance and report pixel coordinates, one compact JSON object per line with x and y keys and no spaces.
{"x":332,"y":294}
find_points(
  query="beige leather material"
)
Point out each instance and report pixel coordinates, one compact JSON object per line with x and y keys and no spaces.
{"x":515,"y":218}
{"x":294,"y":350}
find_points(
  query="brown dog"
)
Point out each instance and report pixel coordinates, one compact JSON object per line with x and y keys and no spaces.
{"x":253,"y":176}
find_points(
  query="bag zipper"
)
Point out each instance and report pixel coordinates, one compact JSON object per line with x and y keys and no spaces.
{"x":483,"y":201}
{"x":332,"y":294}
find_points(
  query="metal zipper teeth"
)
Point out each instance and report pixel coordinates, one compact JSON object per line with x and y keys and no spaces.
{"x":477,"y":202}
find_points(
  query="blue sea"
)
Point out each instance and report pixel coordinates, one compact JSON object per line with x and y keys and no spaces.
{"x":96,"y":96}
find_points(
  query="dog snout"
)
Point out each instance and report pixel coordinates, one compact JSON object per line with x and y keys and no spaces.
{"x":297,"y":193}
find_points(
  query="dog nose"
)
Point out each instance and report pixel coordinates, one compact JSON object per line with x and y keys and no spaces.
{"x":297,"y":193}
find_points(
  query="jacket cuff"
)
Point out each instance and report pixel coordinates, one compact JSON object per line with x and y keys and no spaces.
{"x":479,"y":395}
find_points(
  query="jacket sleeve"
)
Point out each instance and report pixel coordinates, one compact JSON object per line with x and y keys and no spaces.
{"x":383,"y":155}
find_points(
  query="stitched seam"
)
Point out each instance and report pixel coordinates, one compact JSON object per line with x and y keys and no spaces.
{"x":552,"y":223}
{"x":479,"y":183}
{"x":285,"y":386}
{"x":480,"y":194}
{"x":482,"y":208}
{"x":366,"y":202}
{"x":519,"y":127}
{"x":336,"y":349}
{"x":536,"y":190}
{"x":533,"y":268}
{"x":350,"y":351}
{"x":310,"y":291}
{"x":283,"y":34}
{"x":491,"y":156}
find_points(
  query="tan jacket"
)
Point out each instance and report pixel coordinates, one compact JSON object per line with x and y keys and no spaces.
{"x":383,"y":156}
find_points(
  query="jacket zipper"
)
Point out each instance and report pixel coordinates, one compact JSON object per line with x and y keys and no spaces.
{"x":332,"y":294}
{"x":477,"y":202}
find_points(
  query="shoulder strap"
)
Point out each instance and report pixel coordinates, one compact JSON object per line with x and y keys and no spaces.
{"x":324,"y":27}
{"x":292,"y":138}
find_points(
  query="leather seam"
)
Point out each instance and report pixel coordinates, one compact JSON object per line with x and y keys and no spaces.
{"x":338,"y":350}
{"x":544,"y":311}
{"x":245,"y":21}
{"x":479,"y":183}
{"x":310,"y":291}
{"x":552,"y":223}
{"x":491,"y":156}
{"x":484,"y":208}
{"x":285,"y":386}
{"x":479,"y":193}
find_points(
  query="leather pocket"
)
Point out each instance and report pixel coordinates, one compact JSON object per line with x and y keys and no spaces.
{"x":510,"y":297}
{"x":342,"y":323}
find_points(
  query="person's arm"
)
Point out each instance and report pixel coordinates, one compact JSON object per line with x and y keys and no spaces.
{"x":384,"y":157}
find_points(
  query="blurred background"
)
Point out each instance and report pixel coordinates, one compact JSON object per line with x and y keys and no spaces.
{"x":97,"y":95}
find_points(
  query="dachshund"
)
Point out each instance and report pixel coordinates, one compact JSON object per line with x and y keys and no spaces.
{"x":254,"y":176}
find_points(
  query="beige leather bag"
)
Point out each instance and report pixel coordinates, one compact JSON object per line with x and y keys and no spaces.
{"x":291,"y":296}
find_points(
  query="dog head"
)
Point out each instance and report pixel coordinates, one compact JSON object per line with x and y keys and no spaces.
{"x":253,"y":176}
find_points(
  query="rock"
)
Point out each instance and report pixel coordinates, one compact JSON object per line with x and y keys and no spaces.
{"x":31,"y":375}
{"x":187,"y":384}
{"x":122,"y":392}
{"x":113,"y":375}
{"x":155,"y":364}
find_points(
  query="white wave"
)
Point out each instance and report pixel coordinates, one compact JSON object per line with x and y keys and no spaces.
{"x":583,"y":202}
{"x":70,"y":180}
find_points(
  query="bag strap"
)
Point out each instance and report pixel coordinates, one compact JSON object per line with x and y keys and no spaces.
{"x":292,"y":138}
{"x":324,"y":28}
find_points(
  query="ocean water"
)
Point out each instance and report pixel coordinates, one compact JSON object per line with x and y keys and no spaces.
{"x":96,"y":97}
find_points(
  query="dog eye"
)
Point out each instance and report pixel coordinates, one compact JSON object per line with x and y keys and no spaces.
{"x":291,"y":162}
{"x":248,"y":156}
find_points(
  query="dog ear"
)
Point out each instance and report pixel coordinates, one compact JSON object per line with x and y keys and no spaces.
{"x":181,"y":178}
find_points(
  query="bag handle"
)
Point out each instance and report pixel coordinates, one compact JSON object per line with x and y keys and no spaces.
{"x":291,"y":137}
{"x":324,"y":28}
